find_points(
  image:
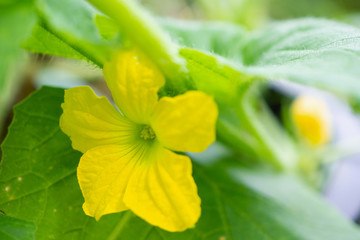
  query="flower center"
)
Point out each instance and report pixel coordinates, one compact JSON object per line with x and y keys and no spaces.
{"x":147,"y":133}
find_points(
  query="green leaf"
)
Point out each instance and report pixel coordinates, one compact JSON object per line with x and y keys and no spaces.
{"x":314,"y":52}
{"x":45,"y":42}
{"x":73,"y":23}
{"x":213,"y":76}
{"x":310,"y":51}
{"x":221,"y":38}
{"x":14,"y":229}
{"x":38,"y":183}
{"x":107,"y":27}
{"x":262,"y":205}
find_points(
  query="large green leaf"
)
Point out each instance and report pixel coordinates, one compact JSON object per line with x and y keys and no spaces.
{"x":14,"y":229}
{"x":38,"y":183}
{"x":311,"y":51}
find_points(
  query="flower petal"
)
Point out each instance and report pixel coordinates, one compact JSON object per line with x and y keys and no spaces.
{"x":92,"y":121}
{"x":134,"y":82}
{"x":163,"y":192}
{"x":185,"y":122}
{"x":103,"y":174}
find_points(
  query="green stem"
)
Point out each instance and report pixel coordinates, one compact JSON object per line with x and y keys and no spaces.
{"x":274,"y":145}
{"x":237,"y":139}
{"x":142,"y":29}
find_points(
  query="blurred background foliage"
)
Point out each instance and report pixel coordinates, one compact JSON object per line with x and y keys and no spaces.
{"x":253,"y":13}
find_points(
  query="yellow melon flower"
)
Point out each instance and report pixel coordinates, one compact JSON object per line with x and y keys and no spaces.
{"x":312,"y":119}
{"x":127,"y":162}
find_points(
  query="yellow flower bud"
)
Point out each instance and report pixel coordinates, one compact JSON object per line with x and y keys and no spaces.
{"x":312,"y":120}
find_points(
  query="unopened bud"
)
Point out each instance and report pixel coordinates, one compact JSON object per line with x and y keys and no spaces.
{"x":312,"y":120}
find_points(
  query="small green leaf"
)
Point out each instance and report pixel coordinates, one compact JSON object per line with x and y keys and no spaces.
{"x":38,"y":183}
{"x":73,"y":22}
{"x":15,"y":229}
{"x":43,"y":41}
{"x":107,"y":27}
{"x":213,"y":76}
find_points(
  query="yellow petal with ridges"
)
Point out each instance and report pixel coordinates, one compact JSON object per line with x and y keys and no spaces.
{"x":92,"y":121}
{"x":162,"y":191}
{"x":134,"y":82}
{"x":185,"y":122}
{"x":103,"y":174}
